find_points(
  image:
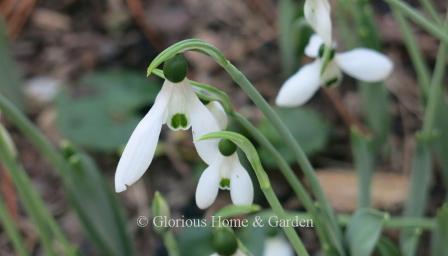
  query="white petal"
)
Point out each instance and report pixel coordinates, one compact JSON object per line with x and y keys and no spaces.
{"x":208,"y":186}
{"x":241,"y":187}
{"x":218,"y":112}
{"x":178,"y":104}
{"x":317,"y":13}
{"x":300,"y":87}
{"x":312,"y":48}
{"x":277,"y":246}
{"x":203,"y":122}
{"x":365,"y":64}
{"x":139,"y":150}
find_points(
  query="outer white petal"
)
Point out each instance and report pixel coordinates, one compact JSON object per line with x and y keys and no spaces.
{"x":300,"y":87}
{"x":208,"y":186}
{"x":218,"y":112}
{"x":317,"y":13}
{"x":365,"y":64}
{"x":241,"y":187}
{"x":312,"y":48}
{"x":139,"y":150}
{"x":277,"y":246}
{"x":203,"y":122}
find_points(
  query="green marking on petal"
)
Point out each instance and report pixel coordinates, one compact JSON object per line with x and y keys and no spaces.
{"x":224,"y":183}
{"x":179,"y":121}
{"x":331,"y":82}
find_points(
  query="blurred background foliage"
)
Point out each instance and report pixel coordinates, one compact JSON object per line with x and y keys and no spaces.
{"x":77,"y":70}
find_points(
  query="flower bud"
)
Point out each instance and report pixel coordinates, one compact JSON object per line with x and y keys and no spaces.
{"x":227,"y":147}
{"x":160,"y":208}
{"x":224,"y":241}
{"x":175,"y":69}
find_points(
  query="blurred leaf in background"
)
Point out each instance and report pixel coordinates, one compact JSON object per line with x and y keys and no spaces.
{"x":9,"y":73}
{"x":294,"y":35}
{"x":306,"y":125}
{"x":109,"y":106}
{"x":364,"y":230}
{"x":96,"y":205}
{"x":195,"y":241}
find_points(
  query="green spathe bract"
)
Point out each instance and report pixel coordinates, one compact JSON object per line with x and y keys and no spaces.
{"x":175,"y":69}
{"x":227,"y":147}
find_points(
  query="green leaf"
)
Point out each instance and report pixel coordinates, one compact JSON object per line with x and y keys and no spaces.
{"x":418,"y":195}
{"x":236,"y":210}
{"x":97,"y":206}
{"x":10,"y":228}
{"x":11,"y":80}
{"x":294,"y":35}
{"x":307,"y":127}
{"x":105,"y":116}
{"x":194,"y":241}
{"x":364,"y":162}
{"x":386,"y":247}
{"x":440,"y":234}
{"x":364,"y":230}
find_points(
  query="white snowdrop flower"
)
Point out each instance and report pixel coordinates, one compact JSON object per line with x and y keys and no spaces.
{"x":277,"y":246}
{"x":361,"y":63}
{"x":226,"y":173}
{"x":177,"y":106}
{"x":317,"y":14}
{"x":237,"y":253}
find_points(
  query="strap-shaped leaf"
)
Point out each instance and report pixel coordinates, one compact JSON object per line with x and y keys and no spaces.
{"x":364,"y":230}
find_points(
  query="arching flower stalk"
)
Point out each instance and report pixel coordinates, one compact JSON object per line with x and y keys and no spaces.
{"x":361,"y":63}
{"x":179,"y":108}
{"x":226,"y":172}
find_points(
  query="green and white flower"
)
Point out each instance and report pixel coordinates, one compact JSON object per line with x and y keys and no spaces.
{"x":361,"y":63}
{"x":179,"y":108}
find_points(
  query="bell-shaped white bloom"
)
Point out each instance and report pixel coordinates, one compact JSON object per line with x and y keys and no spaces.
{"x":361,"y":63}
{"x":317,"y":14}
{"x":179,"y":107}
{"x":237,"y":253}
{"x":225,"y":173}
{"x":277,"y":246}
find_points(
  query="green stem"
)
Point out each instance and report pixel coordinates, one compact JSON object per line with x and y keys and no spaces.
{"x":280,"y":212}
{"x":389,"y":223}
{"x":170,"y":243}
{"x":415,"y":53}
{"x":287,"y":172}
{"x":364,"y":162}
{"x":12,"y":231}
{"x":436,"y":30}
{"x":43,"y":146}
{"x":32,"y":202}
{"x":257,"y":98}
{"x":429,"y":7}
{"x":263,"y":180}
{"x":435,"y":90}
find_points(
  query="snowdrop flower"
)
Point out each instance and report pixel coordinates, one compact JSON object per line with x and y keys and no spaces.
{"x":317,"y":14}
{"x":226,"y":172}
{"x":277,"y":246}
{"x":361,"y":63}
{"x":179,"y":108}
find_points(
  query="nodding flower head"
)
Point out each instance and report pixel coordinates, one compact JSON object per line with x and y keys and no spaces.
{"x":361,"y":63}
{"x":177,"y":106}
